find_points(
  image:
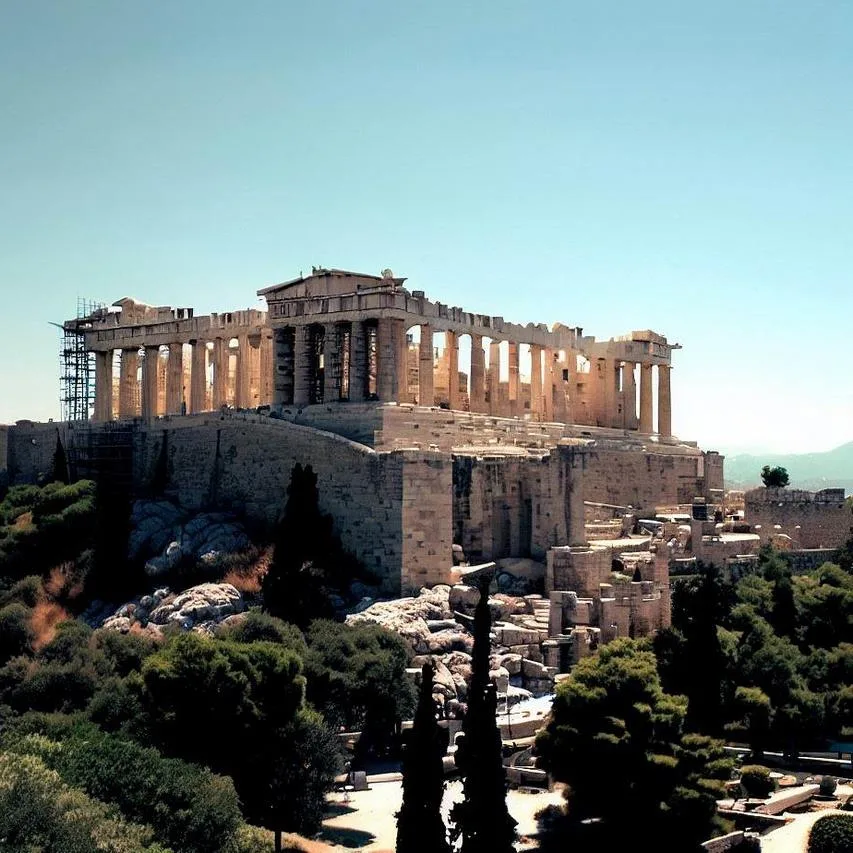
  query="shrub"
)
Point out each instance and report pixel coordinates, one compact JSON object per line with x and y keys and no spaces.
{"x":15,"y":632}
{"x":187,"y":806}
{"x":27,"y":591}
{"x":755,"y":781}
{"x":832,"y":834}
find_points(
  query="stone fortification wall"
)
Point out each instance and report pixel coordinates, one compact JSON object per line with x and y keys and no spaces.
{"x":30,"y":447}
{"x":812,"y":519}
{"x":643,"y":477}
{"x":384,"y":505}
{"x":517,"y":506}
{"x":4,"y":449}
{"x":392,"y":510}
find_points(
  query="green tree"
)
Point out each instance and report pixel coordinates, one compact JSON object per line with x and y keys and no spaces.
{"x":420,"y":825}
{"x":308,"y":559}
{"x":197,"y":689}
{"x":38,"y":812}
{"x":357,"y":679}
{"x":776,"y":477}
{"x":619,"y":743}
{"x":482,"y":820}
{"x":59,"y":467}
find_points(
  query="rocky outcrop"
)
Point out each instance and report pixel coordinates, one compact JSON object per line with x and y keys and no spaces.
{"x":436,"y":624}
{"x":164,"y":536}
{"x":199,"y":608}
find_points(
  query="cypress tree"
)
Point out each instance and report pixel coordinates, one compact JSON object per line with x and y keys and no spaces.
{"x":419,"y":822}
{"x":482,"y":819}
{"x":60,"y":472}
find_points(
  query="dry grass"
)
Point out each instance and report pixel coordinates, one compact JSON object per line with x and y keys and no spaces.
{"x":247,"y":579}
{"x":63,"y":583}
{"x":45,"y":618}
{"x":24,"y":521}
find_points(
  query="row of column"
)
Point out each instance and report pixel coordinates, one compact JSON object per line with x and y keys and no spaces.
{"x":356,"y":361}
{"x":251,"y":386}
{"x":614,"y":399}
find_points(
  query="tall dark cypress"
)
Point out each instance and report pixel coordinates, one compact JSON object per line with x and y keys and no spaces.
{"x":419,"y":822}
{"x":482,"y":820}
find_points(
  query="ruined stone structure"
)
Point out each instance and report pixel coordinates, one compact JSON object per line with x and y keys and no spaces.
{"x":428,"y":425}
{"x":158,"y":361}
{"x":591,"y":604}
{"x":344,"y":336}
{"x":822,"y":519}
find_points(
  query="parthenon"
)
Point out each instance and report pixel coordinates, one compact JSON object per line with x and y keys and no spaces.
{"x":336,"y":336}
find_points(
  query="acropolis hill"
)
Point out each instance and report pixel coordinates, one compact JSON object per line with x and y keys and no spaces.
{"x":360,"y":378}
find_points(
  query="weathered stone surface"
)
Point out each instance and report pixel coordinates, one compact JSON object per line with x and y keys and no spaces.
{"x":511,"y":663}
{"x":512,"y":635}
{"x":534,"y":669}
{"x":463,"y":598}
{"x":500,"y":678}
{"x":201,"y":607}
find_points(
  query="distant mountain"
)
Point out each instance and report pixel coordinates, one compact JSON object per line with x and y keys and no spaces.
{"x":807,"y":470}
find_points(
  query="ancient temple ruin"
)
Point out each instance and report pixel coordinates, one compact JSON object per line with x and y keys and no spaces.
{"x":336,"y":336}
{"x":433,"y":431}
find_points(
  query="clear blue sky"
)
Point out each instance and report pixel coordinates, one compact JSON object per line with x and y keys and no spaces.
{"x":685,"y":167}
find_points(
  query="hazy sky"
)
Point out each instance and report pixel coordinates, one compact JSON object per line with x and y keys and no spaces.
{"x":685,"y":167}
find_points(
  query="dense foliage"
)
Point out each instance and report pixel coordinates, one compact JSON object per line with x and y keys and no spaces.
{"x":133,"y":742}
{"x":620,"y":744}
{"x":832,"y":834}
{"x":775,"y":653}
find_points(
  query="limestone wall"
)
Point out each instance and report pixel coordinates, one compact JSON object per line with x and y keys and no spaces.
{"x":642,"y":477}
{"x":517,"y":506}
{"x":392,"y":510}
{"x":812,"y":519}
{"x":30,"y":447}
{"x":384,"y":505}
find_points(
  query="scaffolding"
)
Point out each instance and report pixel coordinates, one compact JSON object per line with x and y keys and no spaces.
{"x":77,"y":365}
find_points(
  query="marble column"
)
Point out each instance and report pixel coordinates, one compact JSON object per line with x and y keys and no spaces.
{"x":265,"y":370}
{"x":357,"y":362}
{"x":198,"y":377}
{"x":452,"y":349}
{"x":629,"y":396}
{"x":243,"y":377}
{"x":664,"y":401}
{"x":302,"y":366}
{"x":514,"y":379}
{"x":150,"y":384}
{"x":331,"y":364}
{"x":175,"y":379}
{"x":103,"y":386}
{"x":386,"y":358}
{"x":426,"y":364}
{"x":548,"y":385}
{"x":477,"y":402}
{"x":494,"y":377}
{"x":221,"y":358}
{"x":646,"y":409}
{"x":403,"y":395}
{"x":536,"y":403}
{"x":128,"y":384}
